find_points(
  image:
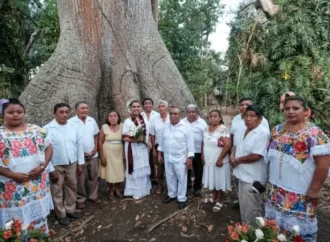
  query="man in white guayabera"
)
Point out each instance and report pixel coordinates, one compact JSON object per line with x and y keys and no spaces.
{"x":177,"y":146}
{"x":198,"y":126}
{"x":90,"y":133}
{"x":68,"y":161}
{"x":237,"y":125}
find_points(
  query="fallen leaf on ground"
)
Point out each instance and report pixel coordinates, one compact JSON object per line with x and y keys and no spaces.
{"x":142,"y":215}
{"x":152,"y":240}
{"x":124,"y":207}
{"x":210,"y":228}
{"x":100,"y":226}
{"x":137,"y":217}
{"x":187,"y":235}
{"x":184,"y":228}
{"x":137,"y":223}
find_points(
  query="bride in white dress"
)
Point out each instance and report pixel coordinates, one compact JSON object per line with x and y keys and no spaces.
{"x":216,"y":146}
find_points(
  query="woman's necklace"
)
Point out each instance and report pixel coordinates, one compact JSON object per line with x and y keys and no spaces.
{"x":285,"y":130}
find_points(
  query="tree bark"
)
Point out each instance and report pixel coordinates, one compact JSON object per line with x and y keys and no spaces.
{"x":109,"y":52}
{"x":154,"y":6}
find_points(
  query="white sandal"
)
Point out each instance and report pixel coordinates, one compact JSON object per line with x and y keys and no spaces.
{"x":211,"y":198}
{"x":218,"y":206}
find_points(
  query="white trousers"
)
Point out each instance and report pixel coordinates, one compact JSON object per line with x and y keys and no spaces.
{"x":176,"y":179}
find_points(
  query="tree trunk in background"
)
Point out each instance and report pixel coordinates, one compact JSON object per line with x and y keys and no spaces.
{"x":109,"y":52}
{"x":154,"y":5}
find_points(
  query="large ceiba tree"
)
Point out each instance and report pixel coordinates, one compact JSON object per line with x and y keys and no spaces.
{"x":109,"y":52}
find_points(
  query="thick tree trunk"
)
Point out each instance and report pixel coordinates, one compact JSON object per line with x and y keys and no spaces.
{"x":109,"y":52}
{"x":154,"y":6}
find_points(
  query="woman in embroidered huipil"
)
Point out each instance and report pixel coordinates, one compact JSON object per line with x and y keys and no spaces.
{"x":24,"y":183}
{"x":299,"y":156}
{"x":137,"y":155}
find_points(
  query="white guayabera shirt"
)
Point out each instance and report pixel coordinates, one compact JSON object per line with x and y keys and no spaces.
{"x":197,"y":127}
{"x":177,"y":143}
{"x":254,"y":143}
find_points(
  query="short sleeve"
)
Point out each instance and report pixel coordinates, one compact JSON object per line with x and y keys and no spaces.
{"x":152,"y":127}
{"x":43,"y":138}
{"x":126,"y":127}
{"x":318,"y":141}
{"x":224,"y":132}
{"x":96,"y":128}
{"x":260,"y":144}
{"x":4,"y":161}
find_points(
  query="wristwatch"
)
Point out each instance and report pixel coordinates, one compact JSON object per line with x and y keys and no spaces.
{"x":190,"y":157}
{"x":42,"y":167}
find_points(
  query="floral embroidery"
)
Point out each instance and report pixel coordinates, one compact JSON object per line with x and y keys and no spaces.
{"x":291,"y":203}
{"x":298,"y":145}
{"x":15,"y":145}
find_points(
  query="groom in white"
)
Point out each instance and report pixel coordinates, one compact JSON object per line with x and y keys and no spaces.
{"x":177,"y":144}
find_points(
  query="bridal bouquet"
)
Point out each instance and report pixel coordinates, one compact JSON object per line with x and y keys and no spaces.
{"x":267,"y":230}
{"x":137,"y":133}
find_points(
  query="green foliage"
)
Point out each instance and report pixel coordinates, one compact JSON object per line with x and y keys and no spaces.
{"x":185,"y":27}
{"x":291,"y":51}
{"x":19,"y":21}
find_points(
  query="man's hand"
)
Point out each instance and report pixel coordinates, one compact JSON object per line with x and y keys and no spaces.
{"x":188,"y":163}
{"x":103,"y":162}
{"x":20,"y":177}
{"x":53,"y":177}
{"x":87,"y":155}
{"x":80,"y":169}
{"x":35,"y":173}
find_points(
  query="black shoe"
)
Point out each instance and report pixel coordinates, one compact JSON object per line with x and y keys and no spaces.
{"x":169,"y":199}
{"x":74,"y":215}
{"x":64,"y":221}
{"x":182,"y":205}
{"x":197,"y":192}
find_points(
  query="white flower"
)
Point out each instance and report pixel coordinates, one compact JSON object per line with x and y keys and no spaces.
{"x":9,"y":224}
{"x":25,"y":226}
{"x":296,"y":229}
{"x":243,"y":240}
{"x":281,"y":237}
{"x":260,"y":222}
{"x":259,"y":234}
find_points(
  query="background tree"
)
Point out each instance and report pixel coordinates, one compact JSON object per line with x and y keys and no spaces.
{"x":185,"y":27}
{"x":108,"y":52}
{"x":289,"y":51}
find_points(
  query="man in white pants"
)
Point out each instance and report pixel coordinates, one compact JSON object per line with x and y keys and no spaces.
{"x":177,"y":145}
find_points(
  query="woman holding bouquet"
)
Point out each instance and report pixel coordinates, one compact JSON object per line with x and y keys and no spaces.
{"x":136,"y":151}
{"x":25,"y":152}
{"x":299,"y":157}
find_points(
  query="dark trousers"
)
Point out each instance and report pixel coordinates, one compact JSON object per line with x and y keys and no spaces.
{"x":198,"y":171}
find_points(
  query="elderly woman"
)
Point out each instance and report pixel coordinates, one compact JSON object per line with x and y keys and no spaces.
{"x":250,"y":168}
{"x":111,"y":153}
{"x":137,"y":154}
{"x":25,"y":152}
{"x":299,"y":157}
{"x":197,"y":126}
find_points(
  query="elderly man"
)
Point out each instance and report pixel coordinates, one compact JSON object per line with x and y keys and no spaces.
{"x":147,"y":115}
{"x":90,"y":131}
{"x":156,"y":126}
{"x":67,"y":152}
{"x":177,"y":146}
{"x":237,"y":125}
{"x":198,"y":126}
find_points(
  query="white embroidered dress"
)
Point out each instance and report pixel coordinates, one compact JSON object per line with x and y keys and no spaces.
{"x":214,"y":177}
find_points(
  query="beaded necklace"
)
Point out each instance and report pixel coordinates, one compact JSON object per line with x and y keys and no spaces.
{"x":295,"y":137}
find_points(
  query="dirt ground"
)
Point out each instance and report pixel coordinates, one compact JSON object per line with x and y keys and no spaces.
{"x":129,"y":220}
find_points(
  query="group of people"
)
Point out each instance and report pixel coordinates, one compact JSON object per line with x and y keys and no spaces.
{"x":290,"y":162}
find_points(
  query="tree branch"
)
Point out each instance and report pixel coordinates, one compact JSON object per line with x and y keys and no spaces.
{"x":246,"y":6}
{"x":28,"y":16}
{"x":33,"y":38}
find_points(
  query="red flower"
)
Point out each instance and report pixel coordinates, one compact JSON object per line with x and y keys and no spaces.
{"x":7,"y":234}
{"x":234,"y":236}
{"x":226,"y":240}
{"x":7,"y":195}
{"x":245,"y":228}
{"x":230,"y":229}
{"x":314,"y":202}
{"x":10,"y":187}
{"x":238,"y":226}
{"x":298,"y":238}
{"x":33,"y":240}
{"x":43,"y":228}
{"x":51,"y":233}
{"x":300,"y":146}
{"x":282,"y":192}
